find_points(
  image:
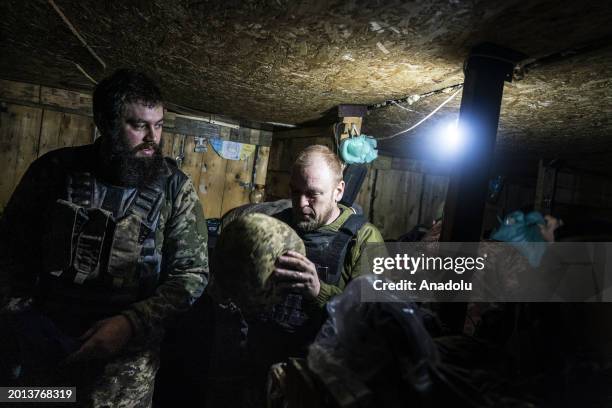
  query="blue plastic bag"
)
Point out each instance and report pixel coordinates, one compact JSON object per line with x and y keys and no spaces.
{"x":521,"y":230}
{"x":358,"y":150}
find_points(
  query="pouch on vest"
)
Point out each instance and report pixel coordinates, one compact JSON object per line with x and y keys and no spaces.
{"x":133,"y":259}
{"x":79,"y":235}
{"x":125,"y":250}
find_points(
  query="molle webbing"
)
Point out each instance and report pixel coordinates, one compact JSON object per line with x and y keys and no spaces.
{"x":89,"y":243}
{"x":129,"y":234}
{"x":81,"y":189}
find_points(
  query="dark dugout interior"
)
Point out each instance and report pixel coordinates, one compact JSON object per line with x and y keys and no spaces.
{"x":533,"y":77}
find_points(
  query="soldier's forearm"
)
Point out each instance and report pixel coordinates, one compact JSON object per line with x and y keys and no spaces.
{"x":172,"y":298}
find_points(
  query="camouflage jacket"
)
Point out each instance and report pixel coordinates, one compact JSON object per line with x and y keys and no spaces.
{"x":180,"y":237}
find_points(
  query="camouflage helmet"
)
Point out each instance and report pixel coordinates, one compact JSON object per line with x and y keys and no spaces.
{"x":244,"y":258}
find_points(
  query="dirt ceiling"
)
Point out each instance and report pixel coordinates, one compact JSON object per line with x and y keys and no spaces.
{"x":290,"y":62}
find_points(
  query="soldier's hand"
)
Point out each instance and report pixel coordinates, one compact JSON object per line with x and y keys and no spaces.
{"x":104,"y":339}
{"x":296,"y":273}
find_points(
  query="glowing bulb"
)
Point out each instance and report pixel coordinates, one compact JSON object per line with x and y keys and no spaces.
{"x":451,"y":140}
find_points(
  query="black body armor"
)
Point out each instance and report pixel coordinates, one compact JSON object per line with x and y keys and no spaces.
{"x":100,"y":249}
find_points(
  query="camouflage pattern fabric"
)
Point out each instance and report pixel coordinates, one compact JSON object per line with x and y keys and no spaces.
{"x":244,"y":259}
{"x":181,"y":238}
{"x":126,"y":382}
{"x":269,"y":208}
{"x":367,"y":234}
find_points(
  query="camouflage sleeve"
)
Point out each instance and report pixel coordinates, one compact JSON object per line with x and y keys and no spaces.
{"x":367,"y":234}
{"x":185,"y":260}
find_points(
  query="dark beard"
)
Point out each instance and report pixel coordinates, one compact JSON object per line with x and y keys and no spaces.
{"x":121,"y":166}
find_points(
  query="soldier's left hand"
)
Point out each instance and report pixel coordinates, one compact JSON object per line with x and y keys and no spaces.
{"x":296,"y":273}
{"x":104,"y":339}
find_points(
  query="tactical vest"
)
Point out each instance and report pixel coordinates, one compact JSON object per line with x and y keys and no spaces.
{"x":327,"y":250}
{"x":99,"y":254}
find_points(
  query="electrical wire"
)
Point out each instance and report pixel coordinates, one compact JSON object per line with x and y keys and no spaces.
{"x":416,"y":97}
{"x":402,"y":107}
{"x":422,"y":120}
{"x":76,"y":33}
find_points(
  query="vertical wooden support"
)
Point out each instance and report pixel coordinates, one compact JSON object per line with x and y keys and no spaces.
{"x":352,"y":125}
{"x":352,"y":118}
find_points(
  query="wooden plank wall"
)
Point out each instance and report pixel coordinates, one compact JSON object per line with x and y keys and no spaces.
{"x":400,"y":193}
{"x":27,"y":133}
{"x":286,"y":145}
{"x":396,"y":195}
{"x":35,"y":120}
{"x":574,"y":195}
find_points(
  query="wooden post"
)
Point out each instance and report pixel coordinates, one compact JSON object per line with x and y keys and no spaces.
{"x":352,"y":118}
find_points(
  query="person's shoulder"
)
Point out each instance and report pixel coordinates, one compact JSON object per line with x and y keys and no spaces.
{"x":173,"y":168}
{"x":64,"y":159}
{"x":176,"y":178}
{"x":369,"y":233}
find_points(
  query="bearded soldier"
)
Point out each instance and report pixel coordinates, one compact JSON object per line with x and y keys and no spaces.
{"x":101,"y":247}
